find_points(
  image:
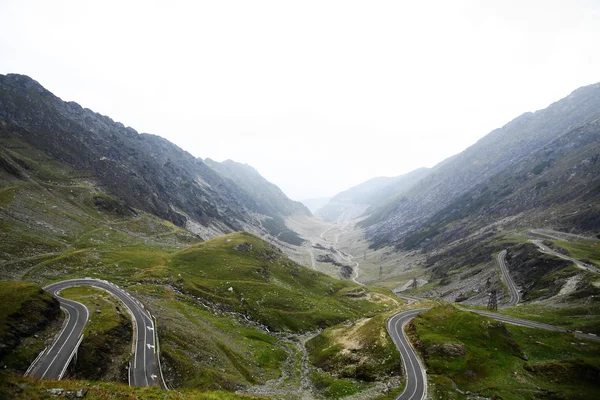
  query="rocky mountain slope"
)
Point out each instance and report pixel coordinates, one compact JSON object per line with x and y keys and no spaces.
{"x":231,"y":311}
{"x":146,"y":171}
{"x":354,"y":202}
{"x":541,"y":167}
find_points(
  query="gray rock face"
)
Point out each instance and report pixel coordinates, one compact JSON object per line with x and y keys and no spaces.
{"x":268,"y":197}
{"x":146,"y":171}
{"x":354,"y":202}
{"x":538,"y":159}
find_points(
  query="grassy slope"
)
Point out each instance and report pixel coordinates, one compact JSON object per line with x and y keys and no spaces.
{"x":265,"y":285}
{"x":588,"y":250}
{"x":105,"y":349}
{"x":54,"y":228}
{"x":24,"y":310}
{"x":486,"y":357}
{"x":350,"y":357}
{"x":14,"y":387}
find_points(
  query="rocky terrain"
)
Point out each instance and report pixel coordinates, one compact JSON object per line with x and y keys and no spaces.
{"x":356,"y":201}
{"x":541,"y":158}
{"x":145,"y":171}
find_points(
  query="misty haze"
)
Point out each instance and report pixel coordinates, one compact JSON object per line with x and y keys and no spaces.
{"x":315,"y":200}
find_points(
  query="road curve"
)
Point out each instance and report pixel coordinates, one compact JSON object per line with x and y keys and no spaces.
{"x":416,"y":381}
{"x":513,"y":292}
{"x":546,"y":249}
{"x":144,"y":369}
{"x":416,"y":378}
{"x":532,"y":324}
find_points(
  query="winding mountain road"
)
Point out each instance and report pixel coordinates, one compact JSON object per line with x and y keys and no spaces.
{"x":532,"y":324}
{"x":512,"y":288}
{"x":546,"y":249}
{"x":416,"y":380}
{"x":415,"y":373}
{"x":144,"y":369}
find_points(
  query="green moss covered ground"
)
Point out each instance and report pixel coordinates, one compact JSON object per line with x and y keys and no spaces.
{"x":471,"y":353}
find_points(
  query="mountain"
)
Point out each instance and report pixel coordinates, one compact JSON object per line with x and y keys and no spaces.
{"x":270,"y":199}
{"x":353,"y":203}
{"x":147,"y":172}
{"x":540,"y":168}
{"x":315,"y":204}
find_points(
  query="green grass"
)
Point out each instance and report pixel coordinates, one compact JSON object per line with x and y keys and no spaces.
{"x":56,"y":229}
{"x":584,"y":317}
{"x":582,"y":250}
{"x":13,"y":296}
{"x":25,"y":310}
{"x":332,"y":388}
{"x":492,"y":359}
{"x":105,"y":310}
{"x":363,"y":351}
{"x":105,"y":349}
{"x":16,"y":387}
{"x":209,"y":349}
{"x":349,"y":359}
{"x":265,"y":285}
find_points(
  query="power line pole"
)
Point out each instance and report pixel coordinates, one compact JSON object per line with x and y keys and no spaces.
{"x":380,"y":271}
{"x":414,"y":284}
{"x":493,"y":301}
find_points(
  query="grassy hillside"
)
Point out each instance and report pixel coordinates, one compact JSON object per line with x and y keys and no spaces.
{"x":59,"y":223}
{"x":25,"y":309}
{"x":14,"y":387}
{"x":351,"y":358}
{"x":105,"y":350}
{"x":466,"y":352}
{"x":587,"y":251}
{"x":247,"y":275}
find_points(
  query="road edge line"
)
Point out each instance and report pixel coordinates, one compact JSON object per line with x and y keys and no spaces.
{"x":62,"y":373}
{"x":158,"y":353}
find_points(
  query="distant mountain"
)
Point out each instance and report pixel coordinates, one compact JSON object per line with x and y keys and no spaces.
{"x":315,"y":205}
{"x":353,"y":203}
{"x":146,"y":171}
{"x":270,"y":199}
{"x":541,"y":169}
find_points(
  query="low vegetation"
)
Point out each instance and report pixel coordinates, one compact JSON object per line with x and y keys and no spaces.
{"x":465,"y":352}
{"x":350,"y":358}
{"x":587,"y":251}
{"x":25,"y":309}
{"x":247,"y":275}
{"x":106,"y":347}
{"x":15,"y":387}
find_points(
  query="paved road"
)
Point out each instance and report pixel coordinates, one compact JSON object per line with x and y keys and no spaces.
{"x":514,"y":293}
{"x":546,"y":249}
{"x":532,"y":324}
{"x":560,"y":235}
{"x":52,"y":363}
{"x":416,"y":381}
{"x":415,"y":373}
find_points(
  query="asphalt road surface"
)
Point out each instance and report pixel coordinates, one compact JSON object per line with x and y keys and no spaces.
{"x":144,"y":369}
{"x":514,"y":293}
{"x":416,"y":382}
{"x":415,"y":373}
{"x":532,"y":324}
{"x":546,"y":249}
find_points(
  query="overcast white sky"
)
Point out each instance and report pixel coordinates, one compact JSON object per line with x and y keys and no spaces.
{"x":316,"y":95}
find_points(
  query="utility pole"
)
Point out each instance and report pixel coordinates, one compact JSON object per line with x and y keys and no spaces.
{"x":380,"y":270}
{"x":493,"y":301}
{"x":414,"y":284}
